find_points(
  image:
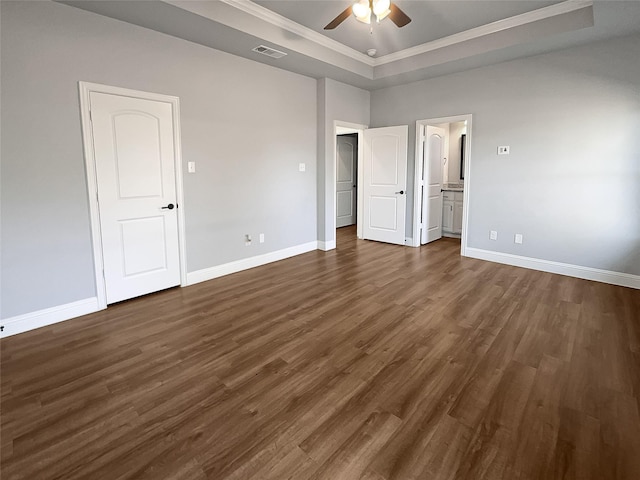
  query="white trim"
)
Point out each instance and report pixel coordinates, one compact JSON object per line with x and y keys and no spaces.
{"x":48,"y":316}
{"x":278,"y":20}
{"x":488,"y":29}
{"x":92,"y":187}
{"x":85,"y":89}
{"x":360,"y":185}
{"x":247,"y":263}
{"x":326,"y":246}
{"x":182,"y":231}
{"x":408,"y":241}
{"x":346,"y":127}
{"x":577,"y":271}
{"x":419,"y":161}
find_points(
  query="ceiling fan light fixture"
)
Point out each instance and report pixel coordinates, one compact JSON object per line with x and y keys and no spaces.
{"x":362,"y":11}
{"x":381,"y":7}
{"x":382,"y":16}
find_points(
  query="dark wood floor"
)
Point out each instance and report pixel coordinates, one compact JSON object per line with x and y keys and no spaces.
{"x":370,"y":362}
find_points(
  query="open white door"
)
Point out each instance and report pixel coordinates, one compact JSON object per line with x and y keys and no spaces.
{"x":433,"y":155}
{"x":133,"y":140}
{"x":385,"y":184}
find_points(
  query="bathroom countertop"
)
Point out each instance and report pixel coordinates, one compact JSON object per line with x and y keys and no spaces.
{"x":452,"y":187}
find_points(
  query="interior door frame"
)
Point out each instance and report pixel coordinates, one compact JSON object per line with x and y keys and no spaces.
{"x":85,"y":90}
{"x":340,"y":128}
{"x":419,"y":163}
{"x":354,"y":181}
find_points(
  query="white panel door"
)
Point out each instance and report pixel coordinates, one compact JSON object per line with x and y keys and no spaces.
{"x":346,"y":175}
{"x":433,"y":155}
{"x":135,"y":169}
{"x":385,"y":184}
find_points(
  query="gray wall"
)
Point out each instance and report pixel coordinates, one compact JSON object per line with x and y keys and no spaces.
{"x":336,"y":101}
{"x":247,"y":125}
{"x":571,"y":184}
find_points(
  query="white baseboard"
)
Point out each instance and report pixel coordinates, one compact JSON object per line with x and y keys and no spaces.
{"x":330,"y":245}
{"x":246,"y":263}
{"x":47,"y":316}
{"x":587,"y":273}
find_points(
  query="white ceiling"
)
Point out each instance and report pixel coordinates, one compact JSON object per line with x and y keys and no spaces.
{"x":431,"y":20}
{"x":444,"y":36}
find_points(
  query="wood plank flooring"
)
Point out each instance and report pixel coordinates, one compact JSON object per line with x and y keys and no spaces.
{"x":372,"y":362}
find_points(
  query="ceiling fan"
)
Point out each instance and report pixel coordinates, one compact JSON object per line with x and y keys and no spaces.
{"x":364,"y":10}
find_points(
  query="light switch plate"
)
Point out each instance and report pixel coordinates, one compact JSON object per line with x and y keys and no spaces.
{"x":302,"y":167}
{"x":191,"y":167}
{"x":503,"y":150}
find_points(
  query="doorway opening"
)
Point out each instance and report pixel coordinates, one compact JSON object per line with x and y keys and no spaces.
{"x":347,"y":166}
{"x":442,"y":179}
{"x":346,"y":179}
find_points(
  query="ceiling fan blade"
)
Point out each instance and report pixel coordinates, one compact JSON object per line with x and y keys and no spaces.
{"x":339,"y":19}
{"x":397,"y":16}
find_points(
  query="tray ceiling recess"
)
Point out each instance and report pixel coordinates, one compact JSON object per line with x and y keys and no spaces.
{"x":443,"y":36}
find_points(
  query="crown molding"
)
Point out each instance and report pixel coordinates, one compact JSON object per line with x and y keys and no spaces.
{"x":488,"y":29}
{"x":278,"y":20}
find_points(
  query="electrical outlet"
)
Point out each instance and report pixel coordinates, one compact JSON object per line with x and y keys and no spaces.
{"x":302,"y":167}
{"x":191,"y":167}
{"x":518,"y":238}
{"x":262,"y":238}
{"x":493,"y":235}
{"x":247,"y":239}
{"x":503,"y":150}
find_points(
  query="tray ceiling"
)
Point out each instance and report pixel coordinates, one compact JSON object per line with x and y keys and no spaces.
{"x":445,"y":36}
{"x":431,"y":20}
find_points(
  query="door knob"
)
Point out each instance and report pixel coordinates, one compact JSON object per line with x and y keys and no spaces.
{"x":168,"y":207}
{"x":401,"y":192}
